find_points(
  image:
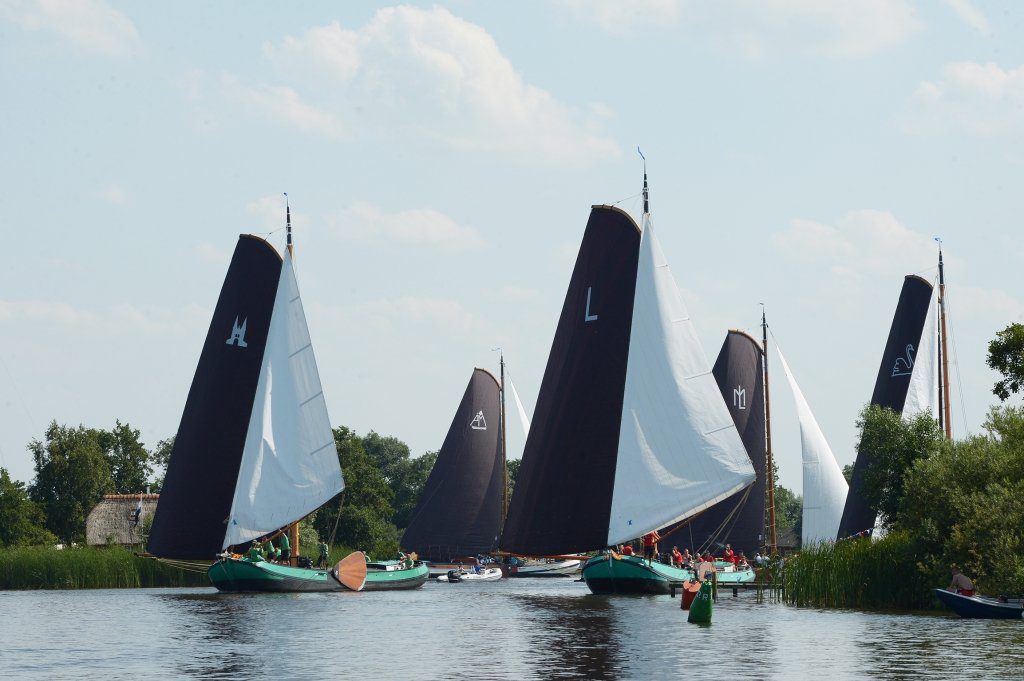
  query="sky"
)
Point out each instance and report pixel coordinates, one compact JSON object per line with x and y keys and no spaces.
{"x":441,"y":161}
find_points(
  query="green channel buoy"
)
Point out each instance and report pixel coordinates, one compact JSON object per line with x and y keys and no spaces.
{"x":700,"y":609}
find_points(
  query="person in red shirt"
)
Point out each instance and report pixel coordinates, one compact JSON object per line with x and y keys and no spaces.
{"x":677,"y":557}
{"x":627,"y":550}
{"x":651,"y":545}
{"x":730,"y":556}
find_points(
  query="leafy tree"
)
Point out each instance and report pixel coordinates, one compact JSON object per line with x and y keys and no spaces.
{"x":72,"y":475}
{"x":414,"y":478}
{"x":160,"y":458}
{"x":789,"y":510}
{"x":129,"y":461}
{"x":895,"y":444}
{"x":965,"y":504}
{"x":366,"y":511}
{"x":513,"y":474}
{"x":389,"y":454}
{"x":848,"y":472}
{"x":21,"y":520}
{"x":1006,"y":355}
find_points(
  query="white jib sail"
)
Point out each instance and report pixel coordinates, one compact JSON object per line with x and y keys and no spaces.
{"x":679,"y":451}
{"x":825,"y":488}
{"x":289,"y":464}
{"x":923,"y":392}
{"x":523,"y":419}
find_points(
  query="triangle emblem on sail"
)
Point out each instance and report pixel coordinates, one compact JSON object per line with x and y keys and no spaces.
{"x":478,"y":422}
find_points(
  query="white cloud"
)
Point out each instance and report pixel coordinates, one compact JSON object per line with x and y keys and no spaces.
{"x":285,"y":105}
{"x":860,"y":243}
{"x":270,"y":215}
{"x":114,"y":193}
{"x":42,"y":311}
{"x":210,"y":253}
{"x":90,"y":25}
{"x":420,"y":227}
{"x":759,"y":28}
{"x":421,"y":75}
{"x":970,"y":15}
{"x":399,"y":321}
{"x":981,"y":100}
{"x":623,"y":18}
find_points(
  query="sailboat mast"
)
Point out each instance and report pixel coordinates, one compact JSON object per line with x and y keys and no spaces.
{"x":944,"y":379}
{"x":504,"y":449}
{"x":769,"y":465}
{"x":288,"y":222}
{"x":293,"y":529}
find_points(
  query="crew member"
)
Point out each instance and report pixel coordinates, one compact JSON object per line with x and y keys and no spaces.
{"x":651,"y":545}
{"x":286,"y":547}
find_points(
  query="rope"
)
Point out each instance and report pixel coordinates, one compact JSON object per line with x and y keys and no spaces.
{"x":956,"y":362}
{"x":341,"y":505}
{"x":187,"y":566}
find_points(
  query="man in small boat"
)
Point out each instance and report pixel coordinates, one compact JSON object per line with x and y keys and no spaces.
{"x":961,"y":583}
{"x":741,"y":562}
{"x":254,"y":553}
{"x":651,"y":545}
{"x":677,"y":557}
{"x":730,"y":555}
{"x":626,"y":550}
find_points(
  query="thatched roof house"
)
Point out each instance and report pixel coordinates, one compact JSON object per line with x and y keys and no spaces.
{"x":113,"y":520}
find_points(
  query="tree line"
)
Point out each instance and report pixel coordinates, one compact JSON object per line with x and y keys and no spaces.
{"x":964,"y":501}
{"x":75,"y":466}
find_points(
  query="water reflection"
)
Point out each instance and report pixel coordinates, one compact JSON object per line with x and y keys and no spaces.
{"x":513,"y":629}
{"x":573,"y":636}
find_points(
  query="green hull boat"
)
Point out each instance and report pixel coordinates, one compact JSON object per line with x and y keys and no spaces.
{"x":233,"y":574}
{"x":632,"y":575}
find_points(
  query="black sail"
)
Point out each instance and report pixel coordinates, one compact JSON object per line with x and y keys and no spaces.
{"x":459,"y":510}
{"x":891,"y":387}
{"x":562,"y":499}
{"x":203,"y":468}
{"x":738,"y":520}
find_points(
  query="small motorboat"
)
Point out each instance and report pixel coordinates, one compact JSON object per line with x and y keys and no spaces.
{"x":546,"y":568}
{"x":485,"y":575}
{"x":982,"y":607}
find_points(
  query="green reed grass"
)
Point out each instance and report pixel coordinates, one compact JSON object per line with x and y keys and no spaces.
{"x":89,"y":567}
{"x":875,"y":575}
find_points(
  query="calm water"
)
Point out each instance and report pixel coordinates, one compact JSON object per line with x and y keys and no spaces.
{"x":513,"y":629}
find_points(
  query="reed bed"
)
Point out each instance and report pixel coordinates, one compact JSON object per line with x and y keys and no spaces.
{"x":874,"y":575}
{"x":88,"y":567}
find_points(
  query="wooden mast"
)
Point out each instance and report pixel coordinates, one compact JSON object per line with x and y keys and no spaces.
{"x":944,"y":378}
{"x":293,"y":529}
{"x":769,"y":464}
{"x":504,"y":451}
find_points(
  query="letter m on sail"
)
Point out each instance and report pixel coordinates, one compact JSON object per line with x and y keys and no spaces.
{"x":739,"y":397}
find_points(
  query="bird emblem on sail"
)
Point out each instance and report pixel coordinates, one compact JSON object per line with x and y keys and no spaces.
{"x":237,"y":336}
{"x":904,"y":366}
{"x":478,"y":422}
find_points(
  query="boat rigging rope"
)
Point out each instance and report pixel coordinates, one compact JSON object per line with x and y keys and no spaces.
{"x":733,"y":516}
{"x":187,"y":566}
{"x":341,"y":505}
{"x":956,"y":363}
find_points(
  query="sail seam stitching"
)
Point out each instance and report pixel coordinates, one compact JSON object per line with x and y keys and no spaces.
{"x":303,"y":404}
